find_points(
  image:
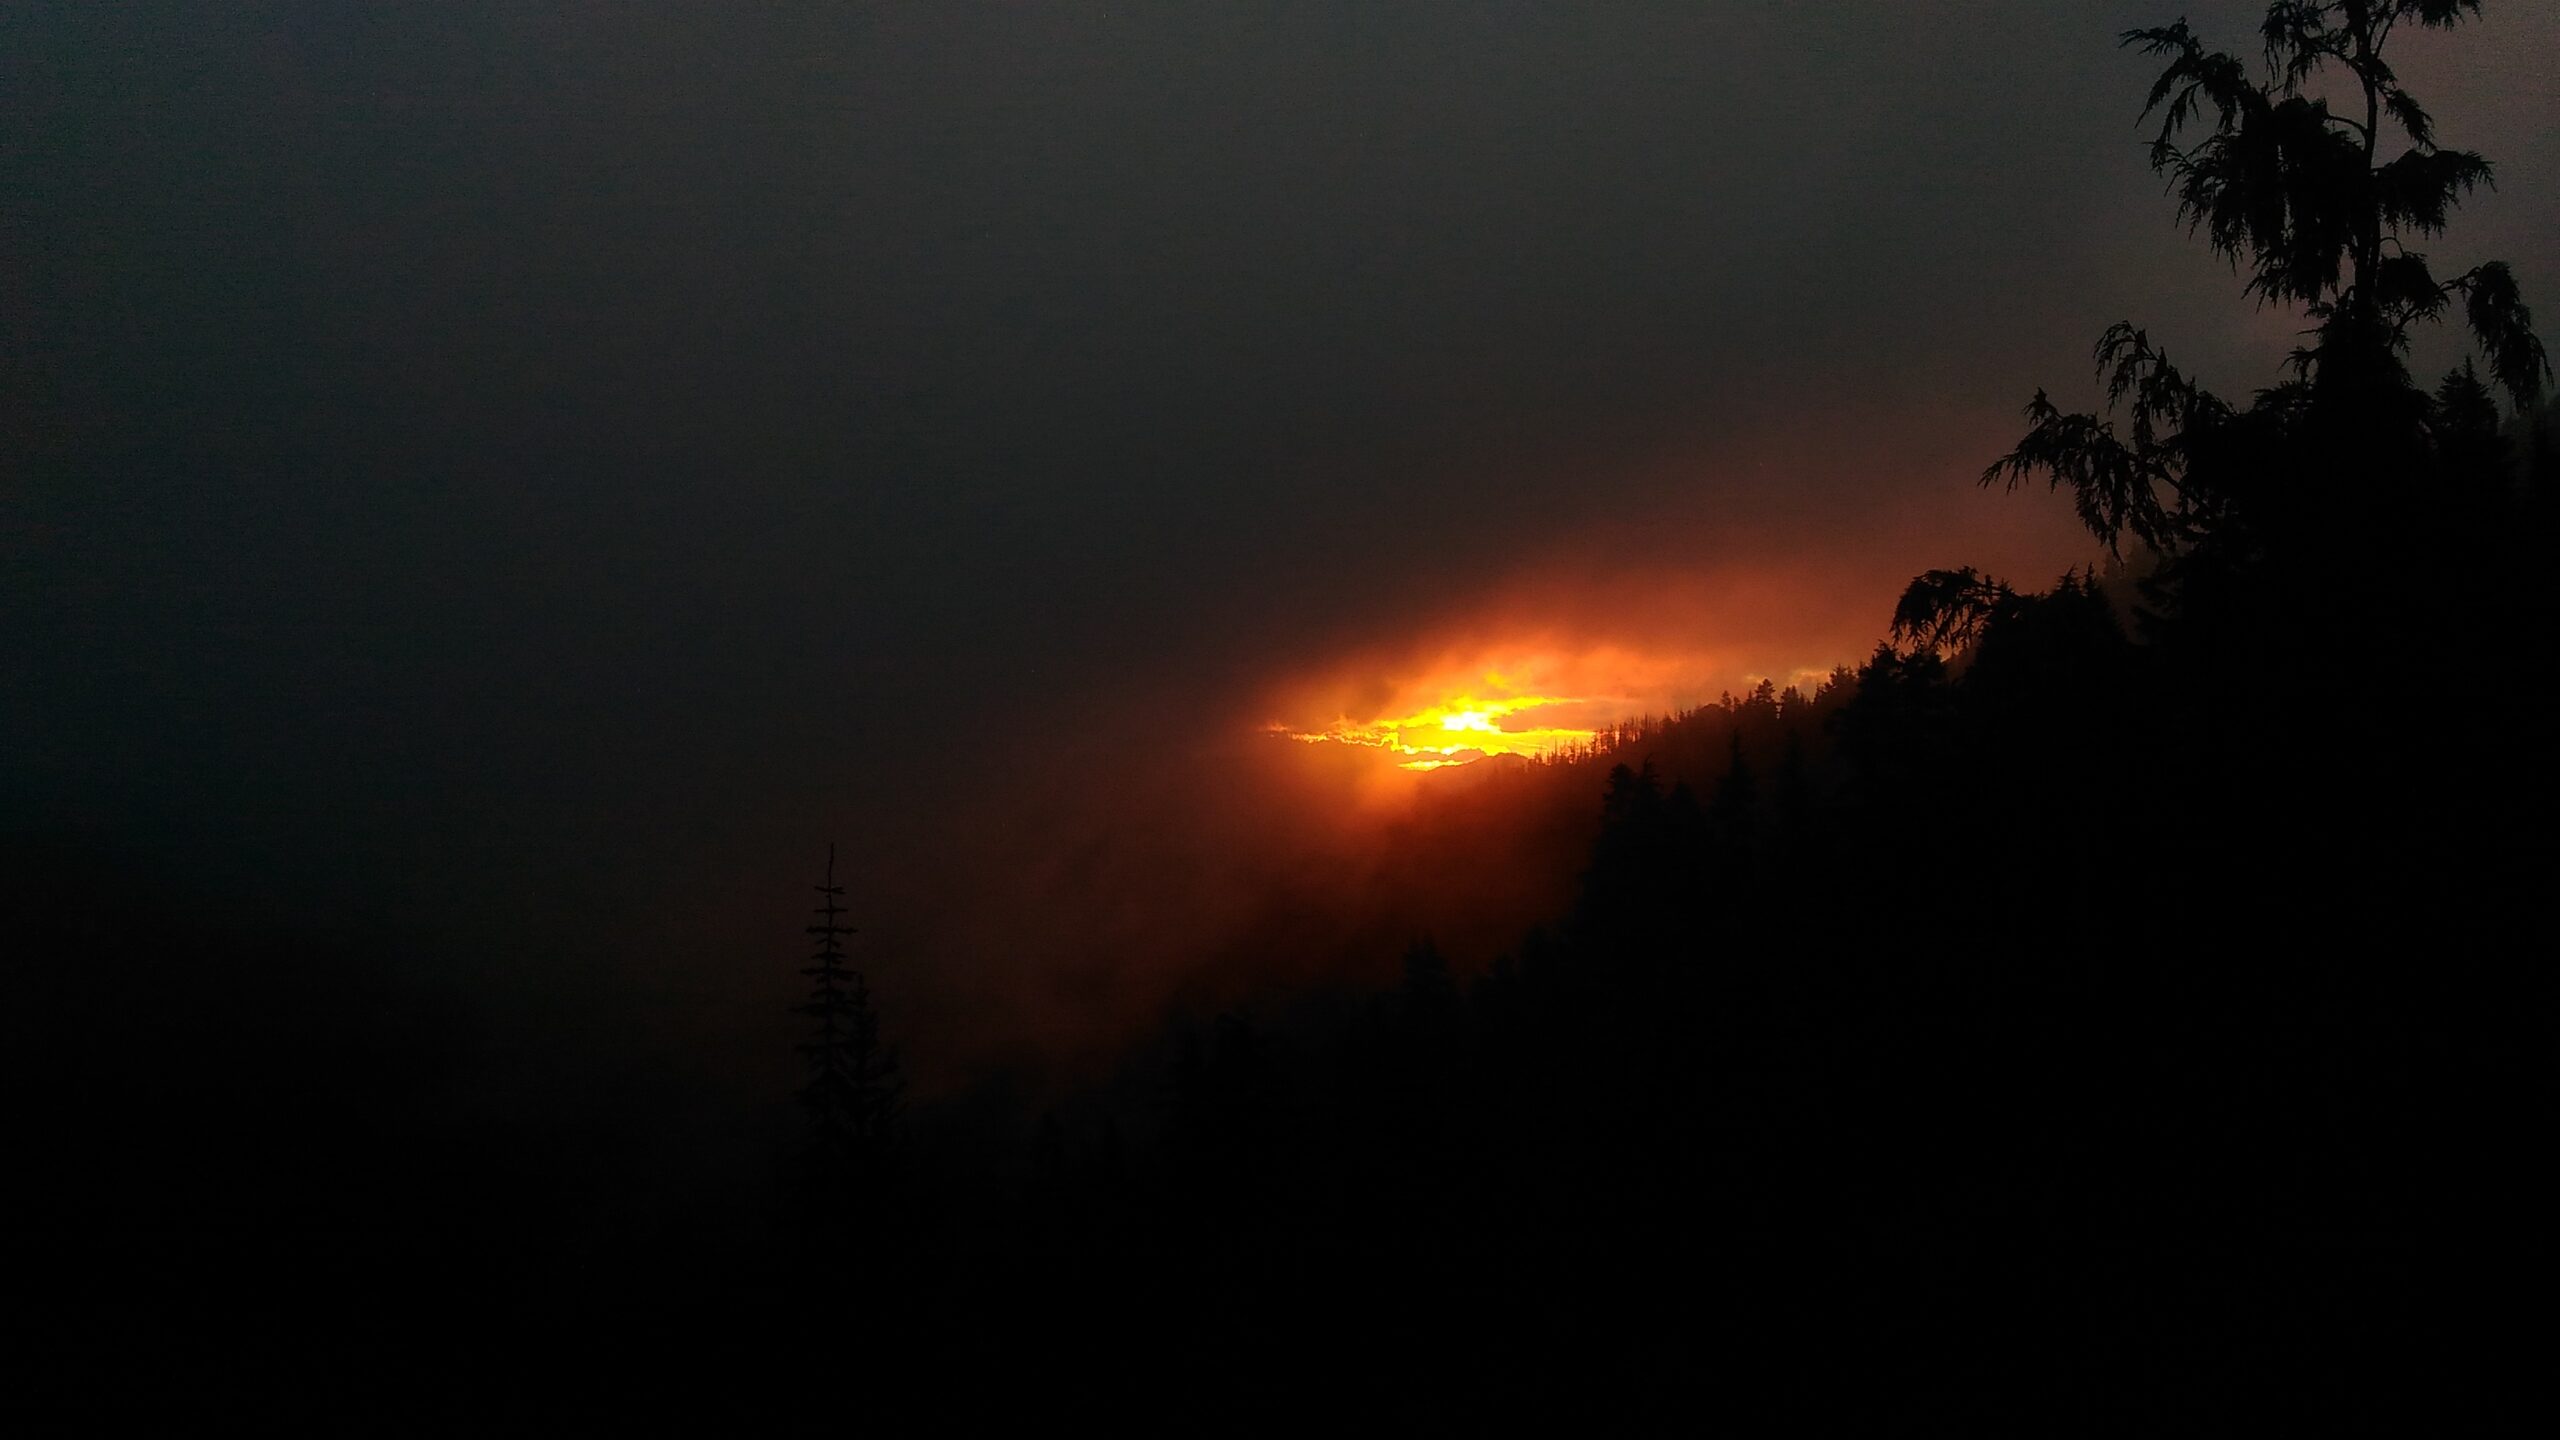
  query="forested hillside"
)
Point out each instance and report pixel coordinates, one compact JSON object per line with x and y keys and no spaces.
{"x":2121,"y":999}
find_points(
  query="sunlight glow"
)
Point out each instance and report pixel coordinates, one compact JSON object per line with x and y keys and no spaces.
{"x":1547,"y":695}
{"x":1461,"y":729}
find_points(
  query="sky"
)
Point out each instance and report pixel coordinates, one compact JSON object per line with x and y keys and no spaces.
{"x":521,"y":478}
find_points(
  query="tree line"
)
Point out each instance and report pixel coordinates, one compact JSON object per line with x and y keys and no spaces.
{"x":2125,"y":998}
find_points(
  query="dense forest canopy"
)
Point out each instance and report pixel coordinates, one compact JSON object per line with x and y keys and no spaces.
{"x":2115,"y":997}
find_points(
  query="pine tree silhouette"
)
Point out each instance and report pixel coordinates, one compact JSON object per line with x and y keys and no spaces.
{"x":1737,"y":798}
{"x":852,"y":1093}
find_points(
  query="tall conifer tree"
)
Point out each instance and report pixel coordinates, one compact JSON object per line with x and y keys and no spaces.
{"x":852,"y":1093}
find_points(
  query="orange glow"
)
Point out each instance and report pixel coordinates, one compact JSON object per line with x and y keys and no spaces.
{"x":1557,"y":656}
{"x":1534,"y":700}
{"x":1459,"y":729}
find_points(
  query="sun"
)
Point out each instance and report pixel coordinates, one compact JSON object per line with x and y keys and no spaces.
{"x":1551,"y":697}
{"x":1534,"y":701}
{"x":1461,"y":729}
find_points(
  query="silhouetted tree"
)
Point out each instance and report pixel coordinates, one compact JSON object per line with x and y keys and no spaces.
{"x":1737,"y":799}
{"x":1946,"y":610}
{"x":1221,"y":1098}
{"x":2319,"y":212}
{"x":1430,"y":994}
{"x":2464,"y":421}
{"x":852,"y":1093}
{"x":1795,"y":785}
{"x":1892,"y":726}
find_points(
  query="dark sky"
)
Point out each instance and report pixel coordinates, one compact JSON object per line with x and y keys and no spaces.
{"x":495,"y":467}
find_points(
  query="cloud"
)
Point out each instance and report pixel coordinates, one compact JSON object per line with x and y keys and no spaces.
{"x":540,"y":471}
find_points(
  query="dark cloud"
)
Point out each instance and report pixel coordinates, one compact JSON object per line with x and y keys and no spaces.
{"x":543,"y":468}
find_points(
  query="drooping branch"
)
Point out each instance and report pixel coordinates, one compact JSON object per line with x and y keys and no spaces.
{"x":2504,"y":327}
{"x":2122,"y":484}
{"x":1946,"y":610}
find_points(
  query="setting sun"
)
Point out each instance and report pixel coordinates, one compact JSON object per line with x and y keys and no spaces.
{"x":1540,"y":700}
{"x":1458,"y":730}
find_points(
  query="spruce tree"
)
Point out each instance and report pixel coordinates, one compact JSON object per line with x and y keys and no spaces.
{"x":852,"y":1093}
